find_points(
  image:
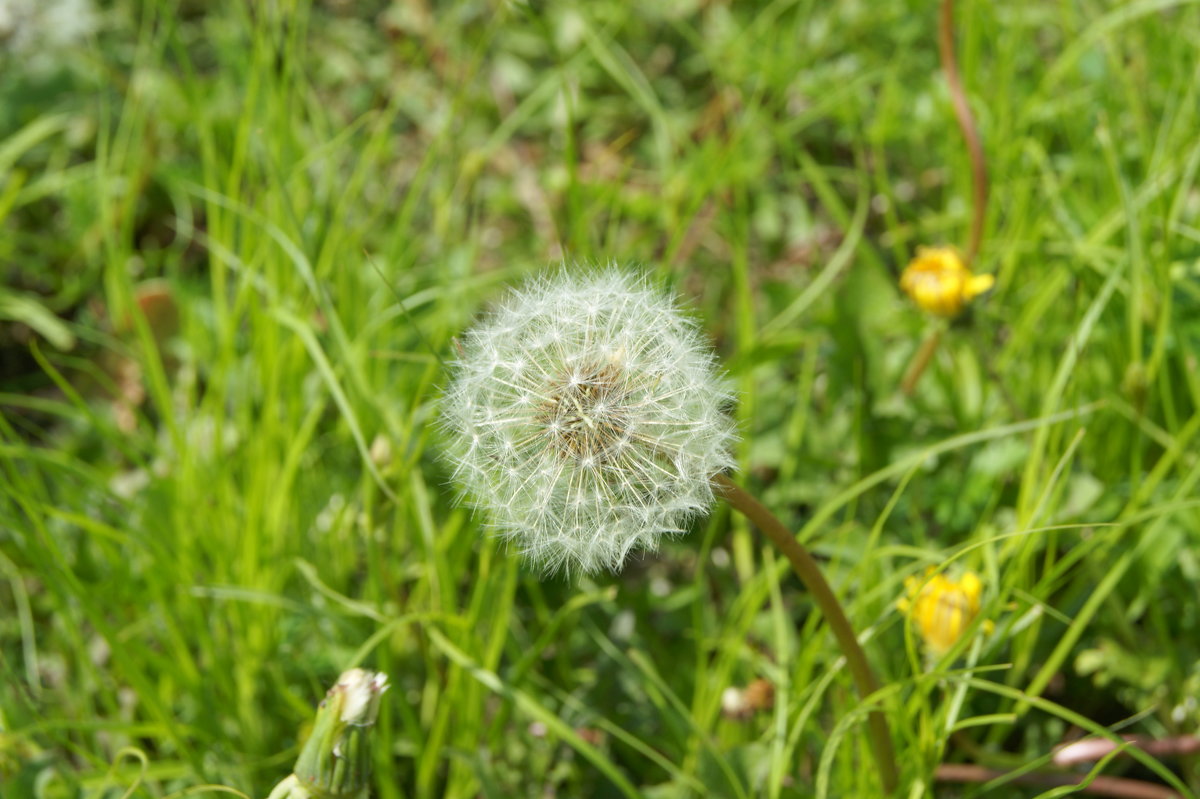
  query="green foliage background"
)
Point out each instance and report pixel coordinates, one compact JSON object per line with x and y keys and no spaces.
{"x":238,"y":238}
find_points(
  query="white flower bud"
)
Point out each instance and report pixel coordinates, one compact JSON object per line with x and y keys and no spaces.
{"x":587,"y":419}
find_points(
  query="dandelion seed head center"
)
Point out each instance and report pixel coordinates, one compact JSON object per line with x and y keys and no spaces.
{"x":585,"y":415}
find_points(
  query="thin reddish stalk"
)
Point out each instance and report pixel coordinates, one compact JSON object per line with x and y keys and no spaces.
{"x":1100,"y":786}
{"x":920,"y":360}
{"x":979,"y":198}
{"x":1090,"y":750}
{"x":966,"y":123}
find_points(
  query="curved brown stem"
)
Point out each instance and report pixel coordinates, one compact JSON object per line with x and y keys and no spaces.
{"x":1099,"y":786}
{"x":920,"y":360}
{"x":810,"y":574}
{"x":966,"y":123}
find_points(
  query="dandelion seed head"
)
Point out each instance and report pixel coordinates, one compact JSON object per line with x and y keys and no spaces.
{"x":586,"y":418}
{"x":41,"y":30}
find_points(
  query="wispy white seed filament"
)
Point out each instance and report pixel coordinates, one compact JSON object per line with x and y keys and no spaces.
{"x":586,"y":419}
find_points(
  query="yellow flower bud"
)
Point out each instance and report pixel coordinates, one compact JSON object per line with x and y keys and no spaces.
{"x":940,"y":283}
{"x":941,"y":608}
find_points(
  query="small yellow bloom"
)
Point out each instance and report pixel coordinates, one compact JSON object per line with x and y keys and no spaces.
{"x":940,"y":607}
{"x":940,"y":282}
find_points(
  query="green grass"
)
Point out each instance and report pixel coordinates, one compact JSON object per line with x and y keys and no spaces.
{"x":329,"y":193}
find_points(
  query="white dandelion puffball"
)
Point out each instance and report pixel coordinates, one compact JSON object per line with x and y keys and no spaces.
{"x":586,"y":417}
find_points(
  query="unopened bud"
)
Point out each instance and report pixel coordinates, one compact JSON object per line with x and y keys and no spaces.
{"x":335,"y":762}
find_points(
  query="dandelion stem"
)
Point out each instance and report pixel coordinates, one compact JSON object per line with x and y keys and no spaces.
{"x":920,"y":361}
{"x":810,"y":574}
{"x":979,"y":179}
{"x":966,"y":123}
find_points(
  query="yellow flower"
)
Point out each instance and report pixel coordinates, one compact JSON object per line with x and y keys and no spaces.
{"x":940,"y":607}
{"x":940,"y":282}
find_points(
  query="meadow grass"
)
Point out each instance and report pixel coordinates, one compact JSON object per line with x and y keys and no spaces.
{"x":222,"y":488}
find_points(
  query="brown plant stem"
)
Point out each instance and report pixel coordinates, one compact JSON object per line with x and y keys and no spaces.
{"x":1099,"y":786}
{"x":966,"y":123}
{"x":810,"y":574}
{"x":979,"y":179}
{"x":920,"y":360}
{"x":1090,"y":750}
